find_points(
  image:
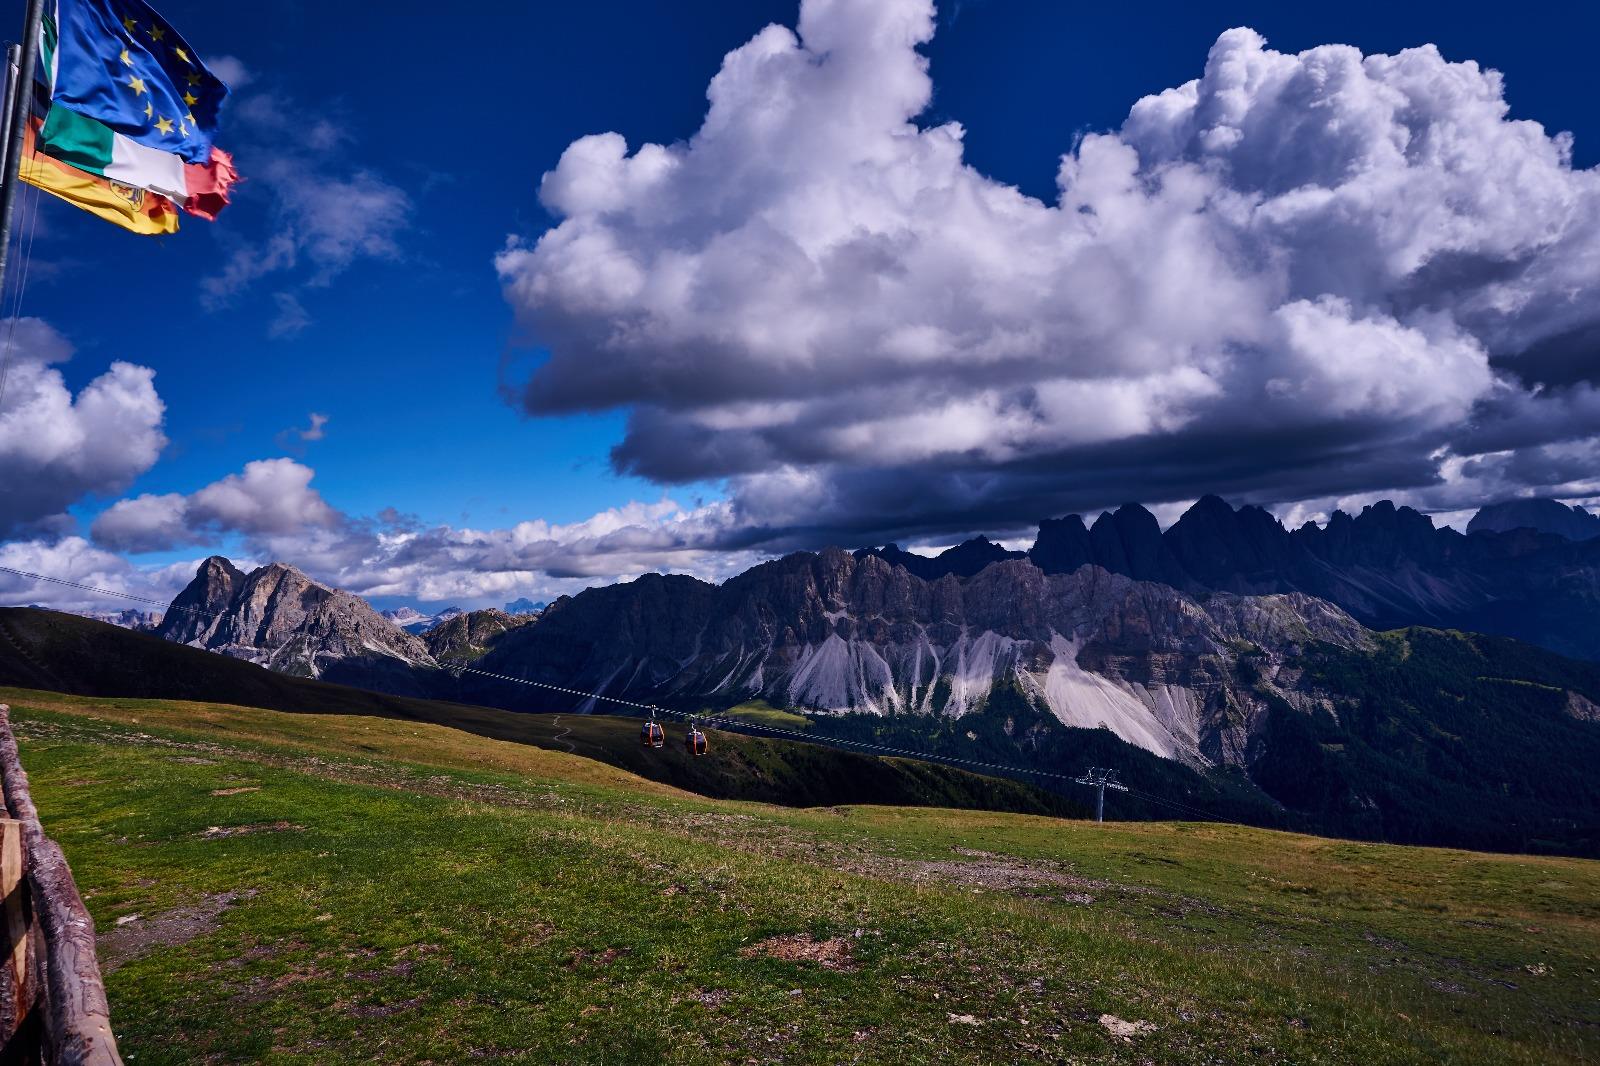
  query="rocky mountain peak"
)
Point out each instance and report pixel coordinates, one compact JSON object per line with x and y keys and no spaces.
{"x":279,"y":617}
{"x":1062,"y":545}
{"x":467,"y":635}
{"x":198,"y":605}
{"x":1129,"y":541}
{"x":1544,"y":515}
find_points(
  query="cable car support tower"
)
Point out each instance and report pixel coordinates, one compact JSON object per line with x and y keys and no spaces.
{"x":1101,"y":779}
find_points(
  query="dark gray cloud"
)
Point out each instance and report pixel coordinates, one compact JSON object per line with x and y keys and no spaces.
{"x":1297,"y":278}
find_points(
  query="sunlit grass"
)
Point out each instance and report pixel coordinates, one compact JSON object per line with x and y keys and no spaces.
{"x":412,"y":893}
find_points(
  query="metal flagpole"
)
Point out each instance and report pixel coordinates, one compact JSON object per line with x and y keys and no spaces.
{"x":13,"y":57}
{"x":18,"y":103}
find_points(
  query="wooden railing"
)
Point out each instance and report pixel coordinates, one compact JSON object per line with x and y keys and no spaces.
{"x":53,"y":1009}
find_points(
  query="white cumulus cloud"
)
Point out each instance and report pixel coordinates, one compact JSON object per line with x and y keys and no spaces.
{"x":1297,"y":276}
{"x":270,"y":497}
{"x":74,"y":559}
{"x":270,"y":510}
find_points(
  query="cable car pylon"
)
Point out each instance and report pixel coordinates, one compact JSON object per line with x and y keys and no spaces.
{"x":1101,"y":779}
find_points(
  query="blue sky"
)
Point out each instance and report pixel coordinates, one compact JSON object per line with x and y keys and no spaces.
{"x":396,"y":327}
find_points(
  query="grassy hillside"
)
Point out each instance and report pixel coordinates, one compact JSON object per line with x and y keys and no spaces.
{"x":65,"y":653}
{"x":295,"y":888}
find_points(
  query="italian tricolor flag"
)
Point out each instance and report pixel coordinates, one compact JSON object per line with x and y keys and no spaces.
{"x":95,"y":148}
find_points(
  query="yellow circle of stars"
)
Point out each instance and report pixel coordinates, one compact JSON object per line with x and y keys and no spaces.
{"x":162,"y":123}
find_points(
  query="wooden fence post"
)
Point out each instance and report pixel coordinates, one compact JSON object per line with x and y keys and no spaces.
{"x":50,"y":987}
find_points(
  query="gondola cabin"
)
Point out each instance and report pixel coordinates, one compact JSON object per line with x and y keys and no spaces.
{"x":651,"y":735}
{"x":695,"y":742}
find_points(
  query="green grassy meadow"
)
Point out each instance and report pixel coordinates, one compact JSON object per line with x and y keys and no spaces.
{"x":329,"y":889}
{"x":760,"y":712}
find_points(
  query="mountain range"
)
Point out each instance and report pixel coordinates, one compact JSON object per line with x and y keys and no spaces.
{"x":1521,"y":571}
{"x":1226,"y":644}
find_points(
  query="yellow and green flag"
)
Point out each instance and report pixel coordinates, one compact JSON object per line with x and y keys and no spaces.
{"x":127,"y":206}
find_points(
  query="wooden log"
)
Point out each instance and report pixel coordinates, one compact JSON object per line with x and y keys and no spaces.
{"x":20,"y":1035}
{"x":76,"y":1019}
{"x":18,"y":988}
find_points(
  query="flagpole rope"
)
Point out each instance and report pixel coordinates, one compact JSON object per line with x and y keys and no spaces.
{"x":732,"y":725}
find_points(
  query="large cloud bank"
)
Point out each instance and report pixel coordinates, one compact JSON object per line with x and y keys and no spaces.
{"x":56,"y":447}
{"x":1297,"y":277}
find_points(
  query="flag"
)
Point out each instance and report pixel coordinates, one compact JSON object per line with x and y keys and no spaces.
{"x":121,"y":64}
{"x":96,"y":149}
{"x":93,"y":148}
{"x":209,"y":185}
{"x":124,"y":205}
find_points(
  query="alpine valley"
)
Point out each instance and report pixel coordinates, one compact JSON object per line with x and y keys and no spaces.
{"x":1375,"y":677}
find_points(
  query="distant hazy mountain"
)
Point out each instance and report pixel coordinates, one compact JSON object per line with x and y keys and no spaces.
{"x":525,"y":606}
{"x":831,"y":633}
{"x":1546,"y":516}
{"x":415,"y":622}
{"x":404,"y":617}
{"x":137,"y":620}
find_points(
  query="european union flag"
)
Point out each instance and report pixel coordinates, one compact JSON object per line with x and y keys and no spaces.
{"x":121,"y":63}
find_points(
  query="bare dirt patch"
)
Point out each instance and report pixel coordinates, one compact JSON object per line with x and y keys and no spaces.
{"x":1125,"y":1030}
{"x":217,"y":832}
{"x":139,"y":936}
{"x":834,"y":954}
{"x":996,"y":874}
{"x":583,"y":956}
{"x":235,"y":791}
